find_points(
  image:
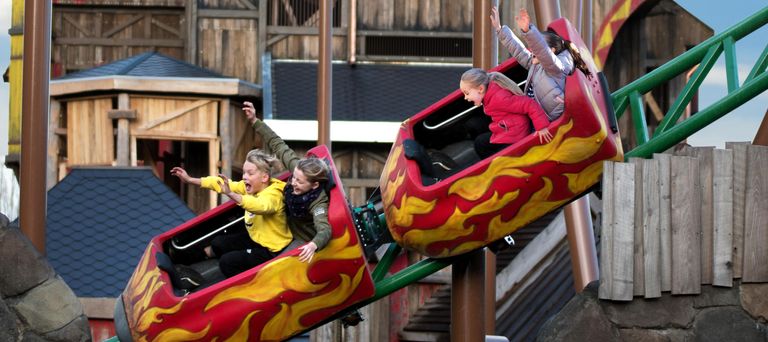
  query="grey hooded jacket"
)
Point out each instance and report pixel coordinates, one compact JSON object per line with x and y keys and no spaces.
{"x":548,"y":75}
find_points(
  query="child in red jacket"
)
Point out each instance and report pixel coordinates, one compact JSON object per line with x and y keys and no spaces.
{"x":510,"y":111}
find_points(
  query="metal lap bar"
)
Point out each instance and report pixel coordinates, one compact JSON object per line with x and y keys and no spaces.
{"x":457,"y":116}
{"x":206,"y":235}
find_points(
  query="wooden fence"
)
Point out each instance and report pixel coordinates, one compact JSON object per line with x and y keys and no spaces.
{"x":677,"y":221}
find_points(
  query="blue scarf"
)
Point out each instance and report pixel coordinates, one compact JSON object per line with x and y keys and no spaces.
{"x":297,"y":206}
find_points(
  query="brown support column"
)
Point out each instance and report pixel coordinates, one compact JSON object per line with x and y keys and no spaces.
{"x":352,"y":33}
{"x":34,"y":120}
{"x":324,"y":70}
{"x":578,"y":220}
{"x":123,"y":114}
{"x":474,"y":275}
{"x":761,"y":137}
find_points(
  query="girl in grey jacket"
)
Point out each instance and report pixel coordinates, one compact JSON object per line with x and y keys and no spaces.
{"x":549,"y":60}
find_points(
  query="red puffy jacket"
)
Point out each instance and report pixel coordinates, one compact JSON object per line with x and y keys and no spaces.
{"x":511,"y":114}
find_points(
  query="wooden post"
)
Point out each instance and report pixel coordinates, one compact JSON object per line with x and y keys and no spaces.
{"x":756,"y":216}
{"x":638,"y":270}
{"x":686,"y":223}
{"x":651,"y":230}
{"x":722,"y":184}
{"x":605,"y":291}
{"x":53,"y":145}
{"x":739,"y":189}
{"x":623,"y":231}
{"x":123,"y":114}
{"x":190,"y":12}
{"x":665,"y":213}
{"x":225,"y":135}
{"x":704,"y":155}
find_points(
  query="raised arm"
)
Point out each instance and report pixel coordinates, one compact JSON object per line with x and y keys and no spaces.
{"x":508,"y":39}
{"x":271,"y":139}
{"x":554,"y":65}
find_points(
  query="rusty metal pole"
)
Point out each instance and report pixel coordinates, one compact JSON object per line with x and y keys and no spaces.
{"x":34,"y":120}
{"x":761,"y":137}
{"x":473,"y":309}
{"x":352,"y":33}
{"x":324,"y":70}
{"x":578,"y":221}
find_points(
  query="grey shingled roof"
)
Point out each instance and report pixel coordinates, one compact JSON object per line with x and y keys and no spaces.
{"x":364,"y":92}
{"x":100,"y":221}
{"x":148,"y":64}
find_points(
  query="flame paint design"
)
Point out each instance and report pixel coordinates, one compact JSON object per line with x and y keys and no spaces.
{"x":178,"y":334}
{"x":508,"y":193}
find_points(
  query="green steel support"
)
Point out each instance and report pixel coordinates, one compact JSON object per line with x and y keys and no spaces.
{"x":690,"y":89}
{"x":638,"y":117}
{"x":686,"y":61}
{"x":386,"y":262}
{"x":760,"y":65}
{"x":667,"y":139}
{"x":731,"y":67}
{"x":407,"y":276}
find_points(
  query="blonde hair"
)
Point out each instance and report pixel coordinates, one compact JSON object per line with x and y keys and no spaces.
{"x":263,"y":161}
{"x":478,"y":77}
{"x":314,"y":169}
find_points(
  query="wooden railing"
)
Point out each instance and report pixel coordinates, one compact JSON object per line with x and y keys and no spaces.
{"x":677,"y":221}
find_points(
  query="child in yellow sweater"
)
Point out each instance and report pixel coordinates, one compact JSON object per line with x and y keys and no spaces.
{"x":261,"y":196}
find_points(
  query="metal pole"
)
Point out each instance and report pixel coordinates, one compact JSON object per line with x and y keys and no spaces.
{"x":34,"y":120}
{"x":352,"y":33}
{"x":324,"y":70}
{"x":578,"y":221}
{"x":470,"y":274}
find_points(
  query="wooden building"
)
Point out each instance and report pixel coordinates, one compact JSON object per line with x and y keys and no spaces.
{"x":150,"y":110}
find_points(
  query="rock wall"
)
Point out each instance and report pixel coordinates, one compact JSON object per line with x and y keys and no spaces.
{"x":718,"y":314}
{"x":35,"y":303}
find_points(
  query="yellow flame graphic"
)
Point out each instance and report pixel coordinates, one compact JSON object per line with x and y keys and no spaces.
{"x":151,"y":315}
{"x":242,"y":332}
{"x":177,"y":334}
{"x":287,"y":322}
{"x":390,"y":166}
{"x":287,"y":274}
{"x":409,"y":206}
{"x":454,"y":227}
{"x":578,"y":182}
{"x":536,"y":207}
{"x":390,"y":188}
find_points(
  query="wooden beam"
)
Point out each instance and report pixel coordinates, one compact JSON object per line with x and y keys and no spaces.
{"x":247,"y":4}
{"x":166,"y":28}
{"x":53,"y":144}
{"x":77,"y":26}
{"x":175,"y":114}
{"x":122,"y":26}
{"x":658,"y":114}
{"x":756,"y":216}
{"x":302,"y":30}
{"x":420,"y":34}
{"x":191,"y":17}
{"x":289,"y":10}
{"x":226,"y":14}
{"x":217,"y":86}
{"x":122,"y":114}
{"x":171,"y":135}
{"x":722,"y":189}
{"x":225,"y":134}
{"x":121,"y":42}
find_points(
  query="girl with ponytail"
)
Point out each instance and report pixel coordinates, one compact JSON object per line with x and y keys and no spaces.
{"x":510,"y":111}
{"x":549,"y":60}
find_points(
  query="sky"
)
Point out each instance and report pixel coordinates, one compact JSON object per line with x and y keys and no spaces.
{"x":741,"y":125}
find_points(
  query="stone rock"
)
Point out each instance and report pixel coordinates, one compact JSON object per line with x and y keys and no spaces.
{"x":754,"y":299}
{"x":3,"y":223}
{"x":32,"y":337}
{"x":77,"y":330}
{"x":650,"y":335}
{"x":49,"y":307}
{"x":8,"y":323}
{"x":665,"y":312}
{"x":21,"y":265}
{"x":716,"y":296}
{"x":727,"y":324}
{"x":581,"y":319}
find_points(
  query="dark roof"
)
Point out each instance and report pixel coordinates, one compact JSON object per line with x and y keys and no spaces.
{"x":148,"y":64}
{"x":364,"y":92}
{"x":100,"y":221}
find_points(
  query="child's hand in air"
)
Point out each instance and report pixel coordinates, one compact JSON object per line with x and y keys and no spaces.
{"x":523,"y":20}
{"x":495,"y":21}
{"x":250,"y":112}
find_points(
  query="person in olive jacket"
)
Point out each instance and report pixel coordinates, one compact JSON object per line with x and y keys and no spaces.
{"x":306,"y":202}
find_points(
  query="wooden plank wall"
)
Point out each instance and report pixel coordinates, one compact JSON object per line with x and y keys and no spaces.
{"x":701,"y":216}
{"x":87,"y":37}
{"x":90,"y":138}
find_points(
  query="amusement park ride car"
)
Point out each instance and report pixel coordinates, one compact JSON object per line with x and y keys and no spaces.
{"x":425,"y":205}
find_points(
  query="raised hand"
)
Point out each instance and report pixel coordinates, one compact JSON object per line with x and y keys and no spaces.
{"x":523,"y":20}
{"x":181,"y":173}
{"x":495,"y":21}
{"x":250,"y":112}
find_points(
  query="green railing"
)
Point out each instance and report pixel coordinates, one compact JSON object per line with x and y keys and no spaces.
{"x":669,"y":132}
